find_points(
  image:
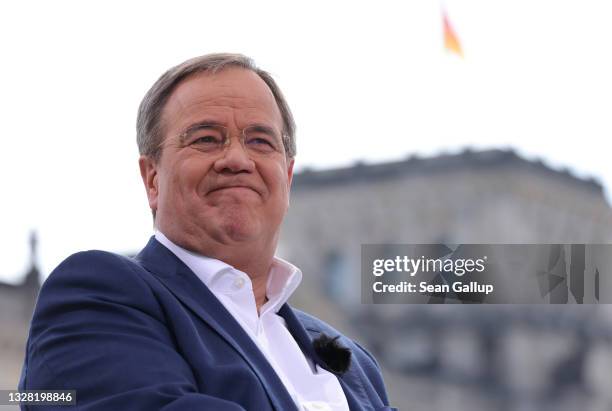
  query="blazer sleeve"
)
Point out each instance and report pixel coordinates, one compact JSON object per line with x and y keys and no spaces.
{"x":98,"y":329}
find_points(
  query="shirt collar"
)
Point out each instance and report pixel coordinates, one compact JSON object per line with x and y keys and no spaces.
{"x":220,"y":277}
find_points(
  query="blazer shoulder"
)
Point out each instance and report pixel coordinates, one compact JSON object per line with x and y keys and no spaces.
{"x":96,"y":266}
{"x":96,"y":259}
{"x":95,"y":275}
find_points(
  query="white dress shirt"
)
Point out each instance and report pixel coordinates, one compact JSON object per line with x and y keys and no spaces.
{"x":311,"y":387}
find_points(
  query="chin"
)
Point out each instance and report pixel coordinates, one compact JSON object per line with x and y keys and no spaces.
{"x":239,"y":225}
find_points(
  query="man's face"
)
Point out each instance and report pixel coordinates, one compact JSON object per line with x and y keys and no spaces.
{"x":228,"y":196}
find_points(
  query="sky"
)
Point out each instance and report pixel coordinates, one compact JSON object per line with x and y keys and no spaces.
{"x":367,"y":81}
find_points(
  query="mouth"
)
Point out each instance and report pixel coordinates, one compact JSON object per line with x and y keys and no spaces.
{"x":236,"y":189}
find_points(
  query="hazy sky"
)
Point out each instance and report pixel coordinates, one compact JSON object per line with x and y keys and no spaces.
{"x":366,"y":80}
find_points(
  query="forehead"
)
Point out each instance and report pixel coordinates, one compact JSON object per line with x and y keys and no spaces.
{"x":233,"y":95}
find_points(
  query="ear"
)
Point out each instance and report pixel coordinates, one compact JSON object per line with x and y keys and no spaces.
{"x":289,"y":180}
{"x":290,"y":173}
{"x":148,"y":172}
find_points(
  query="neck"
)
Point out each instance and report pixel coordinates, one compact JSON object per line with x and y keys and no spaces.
{"x":253,"y":258}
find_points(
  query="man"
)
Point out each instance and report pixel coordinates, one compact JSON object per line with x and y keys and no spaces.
{"x":199,"y":319}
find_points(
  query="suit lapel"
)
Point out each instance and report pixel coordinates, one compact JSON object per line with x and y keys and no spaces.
{"x":350,"y":381}
{"x":186,"y":287}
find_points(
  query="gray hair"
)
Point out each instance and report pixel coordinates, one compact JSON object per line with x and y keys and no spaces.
{"x":150,"y":131}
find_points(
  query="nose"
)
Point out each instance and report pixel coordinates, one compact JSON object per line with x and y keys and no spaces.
{"x":234,"y":159}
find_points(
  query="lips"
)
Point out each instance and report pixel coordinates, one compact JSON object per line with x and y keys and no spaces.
{"x":233,"y":187}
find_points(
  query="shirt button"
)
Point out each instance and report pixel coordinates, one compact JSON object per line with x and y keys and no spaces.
{"x":239,"y":282}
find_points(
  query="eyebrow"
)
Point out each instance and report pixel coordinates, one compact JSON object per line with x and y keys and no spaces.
{"x":199,"y":124}
{"x":262,"y":127}
{"x":204,"y":123}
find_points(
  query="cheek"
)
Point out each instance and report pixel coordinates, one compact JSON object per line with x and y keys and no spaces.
{"x":184,"y":179}
{"x":278,"y":183}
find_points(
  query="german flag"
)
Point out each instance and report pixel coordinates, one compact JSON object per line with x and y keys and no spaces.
{"x":451,"y":41}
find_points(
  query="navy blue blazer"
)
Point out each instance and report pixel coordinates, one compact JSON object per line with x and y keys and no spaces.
{"x":147,"y":334}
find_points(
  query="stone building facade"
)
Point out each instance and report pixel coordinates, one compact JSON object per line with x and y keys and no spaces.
{"x":460,"y":357}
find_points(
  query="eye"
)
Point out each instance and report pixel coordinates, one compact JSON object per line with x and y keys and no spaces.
{"x":261,"y":139}
{"x":206,"y":142}
{"x":260,"y":144}
{"x":205,"y":138}
{"x":209,"y":139}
